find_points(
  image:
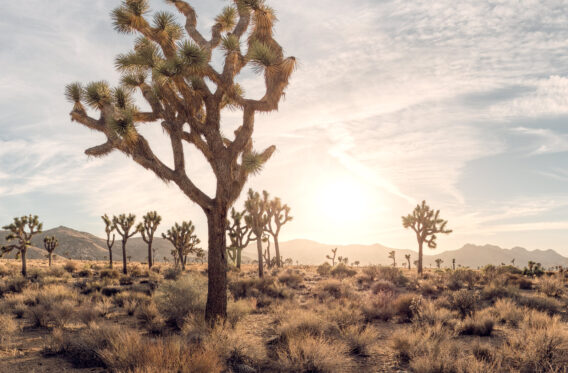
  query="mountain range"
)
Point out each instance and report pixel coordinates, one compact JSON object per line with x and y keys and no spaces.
{"x":85,"y":246}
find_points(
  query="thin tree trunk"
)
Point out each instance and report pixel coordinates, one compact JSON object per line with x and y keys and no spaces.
{"x":277,"y":252}
{"x":216,"y":307}
{"x":110,"y":257}
{"x":49,"y":256}
{"x":150,"y":254}
{"x":24,"y":264}
{"x":124,"y":269}
{"x":238,"y":253}
{"x":260,"y":257}
{"x":420,"y":243}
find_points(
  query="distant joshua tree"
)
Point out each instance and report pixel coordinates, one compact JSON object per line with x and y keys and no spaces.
{"x":23,"y":239}
{"x":109,"y":228}
{"x":332,"y":258}
{"x":392,"y":256}
{"x":356,"y":263}
{"x":289,"y":262}
{"x":454,"y":264}
{"x":183,"y":240}
{"x":407,"y":257}
{"x":266,"y":254}
{"x":239,"y":234}
{"x":123,"y":224}
{"x":256,"y":219}
{"x":50,"y":243}
{"x":439,"y":262}
{"x":148,"y":228}
{"x":415,"y":263}
{"x":277,"y":215}
{"x":426,"y":223}
{"x":513,"y":261}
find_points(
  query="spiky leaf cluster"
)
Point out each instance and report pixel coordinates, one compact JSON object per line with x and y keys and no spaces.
{"x":426,"y":223}
{"x":50,"y":243}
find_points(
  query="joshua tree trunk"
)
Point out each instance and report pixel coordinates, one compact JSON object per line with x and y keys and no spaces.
{"x":150,"y":262}
{"x":24,"y":264}
{"x":49,"y":256}
{"x":277,"y":252}
{"x":110,"y":257}
{"x":260,"y":258}
{"x":216,"y":307}
{"x":420,"y":244}
{"x":124,"y":268}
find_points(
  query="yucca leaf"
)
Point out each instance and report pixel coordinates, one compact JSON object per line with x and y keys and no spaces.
{"x":74,"y":92}
{"x":122,"y":98}
{"x":133,"y":80}
{"x":165,"y":22}
{"x":192,"y":55}
{"x":230,"y":43}
{"x":97,"y":94}
{"x":227,"y":19}
{"x":252,"y":163}
{"x":261,"y":56}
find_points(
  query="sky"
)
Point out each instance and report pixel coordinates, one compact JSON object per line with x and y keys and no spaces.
{"x":462,"y":104}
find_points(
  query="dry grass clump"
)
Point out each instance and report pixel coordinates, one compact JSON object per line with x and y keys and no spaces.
{"x":324,"y":269}
{"x":149,"y":317}
{"x":292,"y":278}
{"x":394,"y":275}
{"x":508,"y":312}
{"x":463,"y":277}
{"x":302,"y":322}
{"x":344,"y":315}
{"x":464,"y":301}
{"x":238,"y":309}
{"x":71,"y":266}
{"x":334,"y":289}
{"x":360,"y":339}
{"x":342,"y":271}
{"x":382,"y":286}
{"x":8,"y":327}
{"x":551,"y":286}
{"x":13,"y":284}
{"x":109,"y":273}
{"x":480,"y":324}
{"x":380,"y":307}
{"x":426,"y":312}
{"x":496,"y":290}
{"x":178,"y":299}
{"x":307,"y":353}
{"x":540,"y":303}
{"x":255,"y":287}
{"x":52,"y":305}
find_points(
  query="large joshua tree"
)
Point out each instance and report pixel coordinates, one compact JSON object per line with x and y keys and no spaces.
{"x":123,"y":224}
{"x":184,"y":241}
{"x":49,"y":244}
{"x":256,"y":219}
{"x":148,"y":228}
{"x":109,"y":228}
{"x":173,"y":72}
{"x":426,"y":223}
{"x":278,"y":215}
{"x":239,"y":235}
{"x":21,"y":231}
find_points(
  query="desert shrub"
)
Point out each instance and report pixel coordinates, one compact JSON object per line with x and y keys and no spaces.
{"x":379,"y":307}
{"x":464,"y":301}
{"x":301,"y":322}
{"x":149,"y":317}
{"x":324,"y":269}
{"x":109,"y":273}
{"x":480,"y":325}
{"x":239,"y":354}
{"x":461,"y":277}
{"x":540,"y":303}
{"x":71,"y":266}
{"x":177,"y":299}
{"x":61,"y":313}
{"x":341,"y":271}
{"x":425,"y":312}
{"x":497,"y":291}
{"x":333,"y":288}
{"x":507,"y":312}
{"x":525,"y":283}
{"x":360,"y":339}
{"x":172,"y":273}
{"x":15,"y":284}
{"x":343,"y":315}
{"x":306,"y":353}
{"x":539,"y":345}
{"x":8,"y":327}
{"x":551,"y":286}
{"x":238,"y":309}
{"x":404,"y":306}
{"x":87,"y":314}
{"x":85,"y":272}
{"x":125,"y":280}
{"x":427,"y":349}
{"x":428,"y":287}
{"x":254,"y":287}
{"x":391,"y":274}
{"x":292,"y":278}
{"x":383,"y":285}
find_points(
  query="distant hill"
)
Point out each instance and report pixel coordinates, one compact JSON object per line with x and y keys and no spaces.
{"x":85,"y":246}
{"x":473,"y":256}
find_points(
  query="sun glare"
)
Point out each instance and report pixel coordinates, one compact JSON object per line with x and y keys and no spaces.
{"x":343,"y":201}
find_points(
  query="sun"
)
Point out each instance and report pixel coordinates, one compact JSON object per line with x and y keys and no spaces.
{"x":343,"y":201}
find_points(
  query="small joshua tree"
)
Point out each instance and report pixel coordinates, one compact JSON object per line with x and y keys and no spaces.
{"x":183,"y":240}
{"x":187,"y":79}
{"x":278,"y":215}
{"x":356,"y":263}
{"x":109,"y":228}
{"x":256,"y":219}
{"x":239,"y":235}
{"x":439,"y":262}
{"x":454,"y":264}
{"x":392,"y":256}
{"x":50,"y":243}
{"x":426,"y":223}
{"x":332,"y":258}
{"x":22,"y":237}
{"x":267,"y":259}
{"x":407,"y":257}
{"x":123,"y":224}
{"x":148,"y":229}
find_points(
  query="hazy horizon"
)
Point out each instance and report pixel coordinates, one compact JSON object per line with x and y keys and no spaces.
{"x":461,"y":104}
